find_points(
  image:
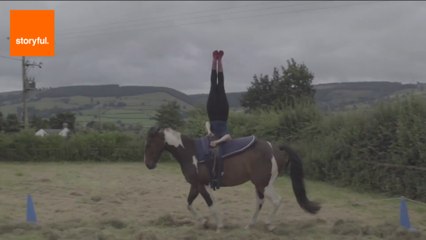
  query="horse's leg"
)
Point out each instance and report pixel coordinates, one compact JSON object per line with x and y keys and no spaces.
{"x":259,"y":203}
{"x":206,"y":192}
{"x":275,"y":199}
{"x":193,"y":193}
{"x":270,"y":192}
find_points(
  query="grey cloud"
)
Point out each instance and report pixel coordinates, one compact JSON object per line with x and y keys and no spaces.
{"x":170,"y":43}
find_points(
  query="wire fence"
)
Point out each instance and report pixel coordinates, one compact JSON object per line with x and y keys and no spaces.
{"x":78,"y":153}
{"x":392,"y":165}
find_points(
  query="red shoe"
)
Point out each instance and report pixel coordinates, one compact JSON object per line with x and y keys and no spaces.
{"x":220,"y":55}
{"x":215,"y":54}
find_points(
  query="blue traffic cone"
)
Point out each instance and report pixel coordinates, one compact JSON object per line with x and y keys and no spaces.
{"x":31,"y":214}
{"x":404,"y":219}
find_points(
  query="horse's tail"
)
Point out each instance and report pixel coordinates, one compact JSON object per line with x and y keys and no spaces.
{"x":296,"y":175}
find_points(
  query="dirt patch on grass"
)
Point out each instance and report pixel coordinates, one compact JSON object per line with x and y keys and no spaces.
{"x":170,"y":221}
{"x":17,"y":228}
{"x":148,"y":235}
{"x":383,"y":231}
{"x":115,"y":223}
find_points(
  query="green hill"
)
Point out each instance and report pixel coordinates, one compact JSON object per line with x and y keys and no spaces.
{"x":342,"y":96}
{"x":128,"y":105}
{"x":339,"y":96}
{"x":138,"y":104}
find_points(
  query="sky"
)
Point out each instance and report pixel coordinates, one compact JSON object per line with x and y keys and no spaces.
{"x":169,"y":44}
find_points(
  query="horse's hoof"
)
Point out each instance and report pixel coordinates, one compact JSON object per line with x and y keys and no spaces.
{"x":248,"y":226}
{"x":270,"y":227}
{"x":219,"y":228}
{"x":204,"y":223}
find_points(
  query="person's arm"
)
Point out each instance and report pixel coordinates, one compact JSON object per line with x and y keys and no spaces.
{"x":224,"y":138}
{"x":209,"y":132}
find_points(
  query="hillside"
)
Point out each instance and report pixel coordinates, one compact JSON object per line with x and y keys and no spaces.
{"x":339,"y":96}
{"x":127,"y":105}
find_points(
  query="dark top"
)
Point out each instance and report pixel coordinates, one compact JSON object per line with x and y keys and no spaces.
{"x":219,"y":128}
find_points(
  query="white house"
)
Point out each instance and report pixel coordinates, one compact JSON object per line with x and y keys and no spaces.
{"x":41,"y":133}
{"x":64,"y":132}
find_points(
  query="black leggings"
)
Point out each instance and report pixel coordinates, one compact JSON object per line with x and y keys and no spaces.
{"x":217,"y":103}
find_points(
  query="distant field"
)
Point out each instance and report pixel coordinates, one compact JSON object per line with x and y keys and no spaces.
{"x":127,"y":201}
{"x":135,"y":110}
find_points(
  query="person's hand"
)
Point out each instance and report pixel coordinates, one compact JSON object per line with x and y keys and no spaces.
{"x":210,"y":134}
{"x":213,"y":143}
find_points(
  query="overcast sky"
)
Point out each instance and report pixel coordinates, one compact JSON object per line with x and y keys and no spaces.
{"x":170,"y":43}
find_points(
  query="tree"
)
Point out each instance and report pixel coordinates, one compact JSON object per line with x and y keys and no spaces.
{"x":59,"y":119}
{"x":293,"y":85}
{"x":12,"y":123}
{"x":195,"y":122}
{"x":38,"y":122}
{"x":169,"y":115}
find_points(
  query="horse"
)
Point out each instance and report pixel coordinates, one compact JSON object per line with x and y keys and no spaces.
{"x":261,"y":163}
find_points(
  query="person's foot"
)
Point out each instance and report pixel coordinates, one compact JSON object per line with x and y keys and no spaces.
{"x":220,"y":55}
{"x":215,"y":54}
{"x":214,"y":184}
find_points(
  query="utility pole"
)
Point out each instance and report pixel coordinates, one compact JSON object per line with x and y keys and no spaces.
{"x":24,"y":94}
{"x":27,"y":85}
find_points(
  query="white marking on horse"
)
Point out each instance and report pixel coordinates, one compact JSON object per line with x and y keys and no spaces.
{"x":259,"y":203}
{"x":214,"y":210}
{"x":197,"y":215}
{"x":270,"y":192}
{"x":195,"y":162}
{"x":274,"y":169}
{"x":173,"y":137}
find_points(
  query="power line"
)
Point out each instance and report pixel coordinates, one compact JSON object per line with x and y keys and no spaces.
{"x":10,"y":58}
{"x":150,"y":26}
{"x":168,"y":17}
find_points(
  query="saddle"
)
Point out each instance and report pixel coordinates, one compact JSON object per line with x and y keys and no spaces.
{"x":213,"y":158}
{"x":227,"y":149}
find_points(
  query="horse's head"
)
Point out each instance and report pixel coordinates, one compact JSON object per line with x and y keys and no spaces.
{"x":154,"y":146}
{"x":159,"y":139}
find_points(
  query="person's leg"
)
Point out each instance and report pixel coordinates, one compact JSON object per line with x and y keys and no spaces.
{"x":219,"y":61}
{"x":223,"y":112}
{"x":222,"y":101}
{"x":211,"y":105}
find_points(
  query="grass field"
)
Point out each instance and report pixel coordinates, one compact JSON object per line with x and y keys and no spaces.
{"x":106,"y":201}
{"x":138,"y":109}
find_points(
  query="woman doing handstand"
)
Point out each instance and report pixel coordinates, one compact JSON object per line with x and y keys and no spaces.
{"x":218,"y":111}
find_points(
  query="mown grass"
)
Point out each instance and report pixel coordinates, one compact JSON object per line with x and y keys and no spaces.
{"x":87,"y":200}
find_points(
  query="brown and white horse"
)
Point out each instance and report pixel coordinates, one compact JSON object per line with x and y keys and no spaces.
{"x":260,"y":164}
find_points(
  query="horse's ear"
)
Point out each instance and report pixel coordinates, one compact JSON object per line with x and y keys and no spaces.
{"x":154,"y":130}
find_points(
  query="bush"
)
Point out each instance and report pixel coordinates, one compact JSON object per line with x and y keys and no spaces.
{"x":110,"y":146}
{"x":378,"y":149}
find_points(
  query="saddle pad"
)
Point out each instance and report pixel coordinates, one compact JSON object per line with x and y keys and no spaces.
{"x":227,"y":149}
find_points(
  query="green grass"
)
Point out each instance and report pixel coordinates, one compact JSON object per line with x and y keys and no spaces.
{"x":138,"y":110}
{"x":127,"y":201}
